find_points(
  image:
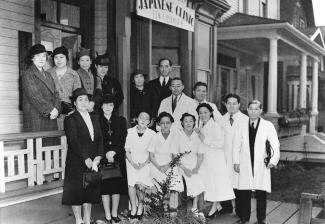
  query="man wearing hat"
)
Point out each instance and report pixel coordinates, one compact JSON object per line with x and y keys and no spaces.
{"x":41,"y":104}
{"x":110,"y":85}
{"x":89,"y":81}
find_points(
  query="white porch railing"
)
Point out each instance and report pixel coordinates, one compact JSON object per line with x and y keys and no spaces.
{"x":32,"y":161}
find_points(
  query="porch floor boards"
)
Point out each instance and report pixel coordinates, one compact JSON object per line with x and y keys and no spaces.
{"x":50,"y":210}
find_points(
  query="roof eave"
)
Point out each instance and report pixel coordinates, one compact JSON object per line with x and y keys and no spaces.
{"x":286,"y":26}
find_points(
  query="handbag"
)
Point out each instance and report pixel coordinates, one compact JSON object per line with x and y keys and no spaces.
{"x":269,"y":152}
{"x":66,"y":107}
{"x":109,"y":170}
{"x":91,"y":179}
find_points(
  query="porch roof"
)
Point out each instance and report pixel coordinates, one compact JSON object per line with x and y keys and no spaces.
{"x":251,"y":33}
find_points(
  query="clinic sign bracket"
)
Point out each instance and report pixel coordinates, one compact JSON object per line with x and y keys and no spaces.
{"x":171,"y":12}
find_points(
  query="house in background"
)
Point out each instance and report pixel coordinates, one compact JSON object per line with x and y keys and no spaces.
{"x":272,"y":51}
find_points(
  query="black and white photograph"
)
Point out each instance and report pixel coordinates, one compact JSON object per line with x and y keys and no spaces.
{"x":162,"y":112}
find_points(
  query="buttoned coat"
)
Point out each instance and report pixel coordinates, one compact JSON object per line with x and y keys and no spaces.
{"x":40,"y":97}
{"x":241,"y":155}
{"x":184,"y":104}
{"x":80,"y":148}
{"x":240,"y":120}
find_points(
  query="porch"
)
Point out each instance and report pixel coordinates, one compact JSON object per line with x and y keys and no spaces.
{"x":280,"y":66}
{"x":49,"y":210}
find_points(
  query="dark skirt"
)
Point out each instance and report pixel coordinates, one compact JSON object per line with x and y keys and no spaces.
{"x":75,"y":194}
{"x":116,"y":185}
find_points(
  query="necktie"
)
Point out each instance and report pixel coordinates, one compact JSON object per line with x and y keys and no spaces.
{"x":231,"y":120}
{"x":252,"y":125}
{"x":164,"y":82}
{"x":174,"y":103}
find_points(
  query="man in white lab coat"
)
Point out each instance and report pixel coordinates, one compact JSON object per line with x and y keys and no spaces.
{"x":255,"y":152}
{"x":177,"y":103}
{"x":200,"y":92}
{"x":231,"y":121}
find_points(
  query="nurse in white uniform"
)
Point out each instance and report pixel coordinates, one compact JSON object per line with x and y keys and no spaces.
{"x":138,"y":163}
{"x":217,"y":181}
{"x":190,"y":164}
{"x":163,"y":147}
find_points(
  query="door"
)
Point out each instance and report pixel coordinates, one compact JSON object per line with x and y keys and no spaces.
{"x":52,"y":38}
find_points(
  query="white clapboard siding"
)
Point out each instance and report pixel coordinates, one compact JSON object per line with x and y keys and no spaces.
{"x":233,"y":9}
{"x":15,"y":15}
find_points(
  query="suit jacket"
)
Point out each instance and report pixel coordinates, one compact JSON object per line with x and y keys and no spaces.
{"x":241,"y":155}
{"x":184,"y":104}
{"x":80,"y":145}
{"x":40,"y":97}
{"x":161,"y":92}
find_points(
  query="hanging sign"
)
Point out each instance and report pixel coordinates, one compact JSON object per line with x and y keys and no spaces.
{"x":172,"y":12}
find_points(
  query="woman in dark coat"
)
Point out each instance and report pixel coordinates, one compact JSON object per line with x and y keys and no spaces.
{"x":110,"y":85}
{"x":142,"y":98}
{"x":41,"y":104}
{"x":114,"y":133}
{"x":85,"y":149}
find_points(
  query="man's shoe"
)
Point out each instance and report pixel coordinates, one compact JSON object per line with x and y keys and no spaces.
{"x":261,"y":222}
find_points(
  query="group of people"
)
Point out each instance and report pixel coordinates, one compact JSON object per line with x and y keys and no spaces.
{"x":226,"y":157}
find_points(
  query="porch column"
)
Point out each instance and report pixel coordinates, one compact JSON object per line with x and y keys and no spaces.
{"x":123,"y":53}
{"x":314,"y":100}
{"x":303,"y":82}
{"x":273,"y":77}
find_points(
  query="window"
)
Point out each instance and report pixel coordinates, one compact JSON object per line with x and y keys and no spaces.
{"x":56,"y":11}
{"x":302,"y":23}
{"x":245,"y":6}
{"x":264,"y":9}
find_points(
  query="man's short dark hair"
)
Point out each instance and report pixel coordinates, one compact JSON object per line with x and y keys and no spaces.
{"x":232,"y":95}
{"x":165,"y":59}
{"x":200,"y":84}
{"x":177,"y":78}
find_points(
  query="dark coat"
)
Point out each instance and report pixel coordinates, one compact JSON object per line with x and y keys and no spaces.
{"x":113,"y":87}
{"x":40,"y":97}
{"x":162,"y":92}
{"x":80,"y":147}
{"x":115,"y":142}
{"x":143,"y":100}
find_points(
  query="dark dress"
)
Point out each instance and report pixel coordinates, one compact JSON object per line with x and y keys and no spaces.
{"x":114,"y":135}
{"x":143,"y":100}
{"x":113,"y":87}
{"x":40,"y":97}
{"x":80,"y":147}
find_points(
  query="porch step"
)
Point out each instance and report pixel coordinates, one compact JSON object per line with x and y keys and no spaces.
{"x":321,"y":135}
{"x":30,"y":193}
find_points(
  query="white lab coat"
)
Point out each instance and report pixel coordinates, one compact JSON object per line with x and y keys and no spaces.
{"x":240,"y":120}
{"x":216,"y":179}
{"x":216,"y":114}
{"x":138,"y":148}
{"x":184,"y":104}
{"x":241,"y":155}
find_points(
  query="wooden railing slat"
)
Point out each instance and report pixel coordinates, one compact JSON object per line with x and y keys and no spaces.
{"x":28,"y":135}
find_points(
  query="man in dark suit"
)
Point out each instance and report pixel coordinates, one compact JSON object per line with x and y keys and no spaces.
{"x":162,"y":83}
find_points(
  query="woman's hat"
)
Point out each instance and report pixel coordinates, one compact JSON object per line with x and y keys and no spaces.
{"x":83,"y":52}
{"x":78,"y":92}
{"x":103,"y":59}
{"x":61,"y":50}
{"x":108,"y":98}
{"x":138,"y":72}
{"x":37,"y":49}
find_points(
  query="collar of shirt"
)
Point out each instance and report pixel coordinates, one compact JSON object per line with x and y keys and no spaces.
{"x":161,"y":79}
{"x":234,"y":115}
